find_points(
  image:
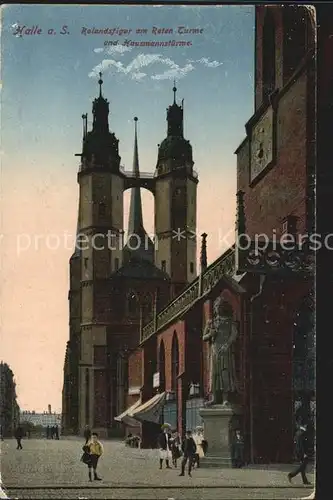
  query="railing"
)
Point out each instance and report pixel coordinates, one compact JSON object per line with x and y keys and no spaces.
{"x":140,"y":175}
{"x":201,"y":286}
{"x":131,"y":175}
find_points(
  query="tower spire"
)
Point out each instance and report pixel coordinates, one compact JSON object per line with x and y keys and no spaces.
{"x":135,"y":222}
{"x":100,"y":82}
{"x":174,"y":91}
{"x":175,"y":116}
{"x":100,"y":111}
{"x":203,"y":254}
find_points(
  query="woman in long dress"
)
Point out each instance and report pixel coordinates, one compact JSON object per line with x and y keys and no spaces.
{"x":198,"y":437}
{"x":164,"y":443}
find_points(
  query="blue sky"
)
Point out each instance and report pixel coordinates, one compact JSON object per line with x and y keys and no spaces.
{"x":46,"y":85}
{"x":48,"y":81}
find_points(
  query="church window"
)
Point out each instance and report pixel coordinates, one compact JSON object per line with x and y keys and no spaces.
{"x":132,"y":304}
{"x":268,"y":55}
{"x":102,"y":209}
{"x":116,"y":264}
{"x":191,"y":267}
{"x":163,"y":265}
{"x":86,"y":260}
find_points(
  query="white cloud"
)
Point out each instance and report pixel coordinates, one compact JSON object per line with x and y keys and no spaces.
{"x":132,"y":69}
{"x":117,"y":49}
{"x":113,"y":49}
{"x":206,"y":62}
{"x":141,"y":61}
{"x":174,"y":73}
{"x":138,"y":76}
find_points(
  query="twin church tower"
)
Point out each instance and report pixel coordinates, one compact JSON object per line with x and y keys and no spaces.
{"x":116,"y":285}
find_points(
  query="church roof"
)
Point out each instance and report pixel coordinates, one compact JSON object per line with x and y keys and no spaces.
{"x":140,"y":269}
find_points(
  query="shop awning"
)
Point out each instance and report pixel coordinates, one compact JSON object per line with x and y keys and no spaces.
{"x":151,"y":410}
{"x":126,"y":416}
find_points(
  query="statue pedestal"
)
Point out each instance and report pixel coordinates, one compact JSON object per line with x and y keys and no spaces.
{"x":219,"y":423}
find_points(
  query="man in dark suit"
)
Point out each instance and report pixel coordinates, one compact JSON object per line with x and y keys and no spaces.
{"x":303,"y":451}
{"x":19,"y":433}
{"x":164,"y":444}
{"x":189,"y":450}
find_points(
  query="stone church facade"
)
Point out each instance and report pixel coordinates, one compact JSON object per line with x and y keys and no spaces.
{"x":116,"y":285}
{"x":270,"y":289}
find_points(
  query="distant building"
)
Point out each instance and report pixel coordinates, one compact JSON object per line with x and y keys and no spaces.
{"x":44,"y":419}
{"x":9,"y":409}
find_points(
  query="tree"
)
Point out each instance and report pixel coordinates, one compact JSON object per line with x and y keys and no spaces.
{"x":9,"y":409}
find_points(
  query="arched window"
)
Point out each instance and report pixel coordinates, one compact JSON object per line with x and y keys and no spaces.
{"x":175,"y":362}
{"x":268,"y":55}
{"x":133,"y":307}
{"x":295,"y":24}
{"x":161,"y":366}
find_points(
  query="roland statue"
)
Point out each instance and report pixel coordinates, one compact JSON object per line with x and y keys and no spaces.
{"x":221,"y":332}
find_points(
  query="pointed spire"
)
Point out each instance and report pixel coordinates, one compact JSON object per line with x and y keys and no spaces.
{"x":135,"y":222}
{"x":100,"y":111}
{"x":203,"y":255}
{"x":100,"y":82}
{"x":85,"y":124}
{"x":175,"y":116}
{"x":174,"y":91}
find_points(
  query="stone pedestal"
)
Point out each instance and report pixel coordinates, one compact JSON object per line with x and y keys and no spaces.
{"x":219,"y":424}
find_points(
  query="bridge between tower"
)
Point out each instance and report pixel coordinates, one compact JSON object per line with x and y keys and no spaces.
{"x":144,"y":180}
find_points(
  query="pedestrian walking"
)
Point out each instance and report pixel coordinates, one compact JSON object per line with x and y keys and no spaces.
{"x":56,"y":432}
{"x":19,"y":434}
{"x":87,"y":434}
{"x":198,"y":437}
{"x":48,"y":432}
{"x":176,"y":448}
{"x":93,"y":450}
{"x":303,"y":452}
{"x":189,"y":450}
{"x":238,"y":450}
{"x":164,"y":443}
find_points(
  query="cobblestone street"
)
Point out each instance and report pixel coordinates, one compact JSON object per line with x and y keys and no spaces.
{"x":52,"y":469}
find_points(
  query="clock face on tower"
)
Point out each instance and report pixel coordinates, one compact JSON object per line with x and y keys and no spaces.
{"x":262,"y":144}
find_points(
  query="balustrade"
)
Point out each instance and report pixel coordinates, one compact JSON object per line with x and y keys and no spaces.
{"x":223,"y":266}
